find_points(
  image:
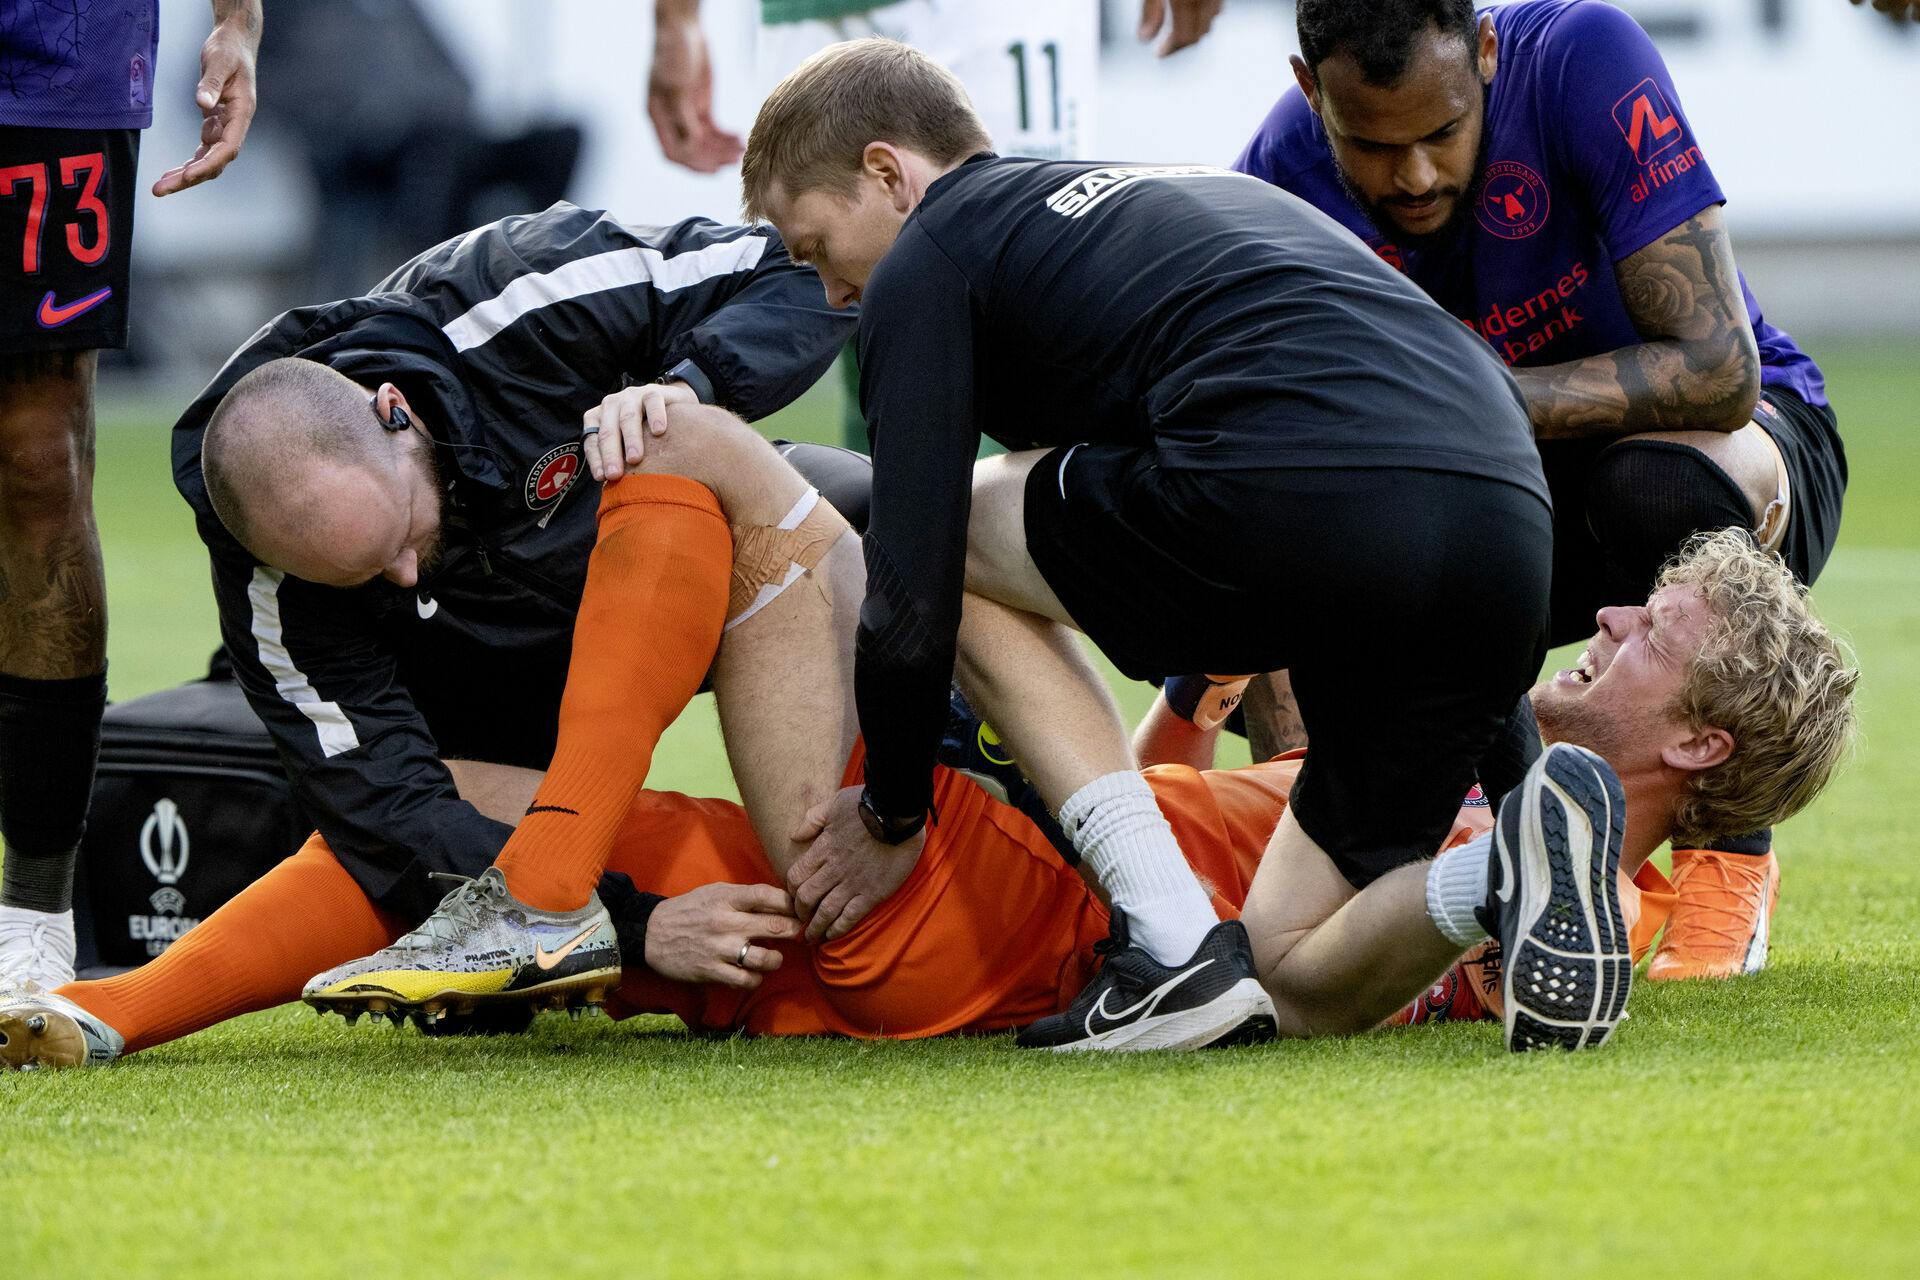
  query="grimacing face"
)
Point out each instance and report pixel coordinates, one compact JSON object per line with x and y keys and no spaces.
{"x":1410,"y":153}
{"x":1622,"y":698}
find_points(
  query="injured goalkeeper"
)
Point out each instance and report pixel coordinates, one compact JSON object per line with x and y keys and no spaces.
{"x":1722,"y":704}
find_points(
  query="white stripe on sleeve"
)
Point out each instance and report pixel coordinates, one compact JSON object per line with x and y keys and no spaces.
{"x":336,"y":731}
{"x":615,"y":269}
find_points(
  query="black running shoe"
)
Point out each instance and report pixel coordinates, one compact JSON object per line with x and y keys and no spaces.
{"x":1135,"y":1002}
{"x":1556,"y":902}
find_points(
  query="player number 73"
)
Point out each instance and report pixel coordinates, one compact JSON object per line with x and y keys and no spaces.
{"x":83,"y":171}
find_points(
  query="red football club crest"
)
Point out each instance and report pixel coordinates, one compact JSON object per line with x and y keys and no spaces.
{"x":1513,"y":203}
{"x":551,"y":475}
{"x":1647,"y":122}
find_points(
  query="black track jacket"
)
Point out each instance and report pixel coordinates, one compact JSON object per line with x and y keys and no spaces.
{"x":502,"y":339}
{"x":1199,"y":314}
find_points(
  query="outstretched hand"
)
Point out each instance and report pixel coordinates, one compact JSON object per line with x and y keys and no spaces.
{"x":845,"y":873}
{"x":225,"y":96}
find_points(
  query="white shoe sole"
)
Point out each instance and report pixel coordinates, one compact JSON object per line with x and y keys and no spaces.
{"x":1193,"y":1028}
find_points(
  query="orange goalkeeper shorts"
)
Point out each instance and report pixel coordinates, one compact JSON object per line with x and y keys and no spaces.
{"x":991,"y":930}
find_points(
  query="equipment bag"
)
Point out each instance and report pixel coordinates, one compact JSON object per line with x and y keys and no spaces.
{"x":189,"y":807}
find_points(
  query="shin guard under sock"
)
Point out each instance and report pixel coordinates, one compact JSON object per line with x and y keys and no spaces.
{"x":649,"y":624}
{"x":301,"y":918}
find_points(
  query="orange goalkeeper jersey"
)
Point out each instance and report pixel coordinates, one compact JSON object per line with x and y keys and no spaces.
{"x":991,"y":930}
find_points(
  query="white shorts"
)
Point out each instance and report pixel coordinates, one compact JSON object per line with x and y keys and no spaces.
{"x":1030,"y":66}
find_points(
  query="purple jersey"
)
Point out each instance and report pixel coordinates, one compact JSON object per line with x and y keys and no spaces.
{"x":77,"y":64}
{"x":1589,"y":159}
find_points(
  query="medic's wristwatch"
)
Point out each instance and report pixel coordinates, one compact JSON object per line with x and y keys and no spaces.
{"x":888,"y":830}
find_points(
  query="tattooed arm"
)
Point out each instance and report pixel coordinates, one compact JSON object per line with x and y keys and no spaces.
{"x":1698,"y":369}
{"x":1272,"y":716}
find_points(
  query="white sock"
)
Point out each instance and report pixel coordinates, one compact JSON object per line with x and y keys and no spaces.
{"x":1125,"y":840}
{"x":1456,"y":888}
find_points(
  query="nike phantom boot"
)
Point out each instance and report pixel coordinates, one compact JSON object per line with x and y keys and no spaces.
{"x":40,"y":1030}
{"x":481,"y":946}
{"x":1135,"y":1002}
{"x":1554,"y":876}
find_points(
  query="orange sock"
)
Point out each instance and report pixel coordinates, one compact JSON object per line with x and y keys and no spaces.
{"x":649,"y":625}
{"x":301,"y":918}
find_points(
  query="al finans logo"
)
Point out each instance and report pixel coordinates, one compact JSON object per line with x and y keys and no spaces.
{"x":1647,"y":122}
{"x":1513,"y":203}
{"x":551,"y":475}
{"x":164,"y":845}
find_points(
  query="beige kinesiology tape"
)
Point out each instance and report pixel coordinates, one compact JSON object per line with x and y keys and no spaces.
{"x":767,"y":559}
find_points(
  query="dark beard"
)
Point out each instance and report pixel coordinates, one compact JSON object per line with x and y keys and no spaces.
{"x":1445,"y":233}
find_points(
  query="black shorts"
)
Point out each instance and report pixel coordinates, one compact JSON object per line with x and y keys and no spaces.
{"x":843,"y":477}
{"x":1585,"y":580}
{"x":1409,"y":607}
{"x":66,"y":237}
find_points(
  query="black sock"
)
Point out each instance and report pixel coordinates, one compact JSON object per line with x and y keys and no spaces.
{"x":1647,"y":497}
{"x":49,"y":744}
{"x":1756,"y":845}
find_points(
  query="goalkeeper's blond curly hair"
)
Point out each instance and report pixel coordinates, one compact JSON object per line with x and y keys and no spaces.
{"x":1769,"y":673}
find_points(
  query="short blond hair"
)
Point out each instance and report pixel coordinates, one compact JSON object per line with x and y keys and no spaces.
{"x":814,"y":127}
{"x":1769,"y":673}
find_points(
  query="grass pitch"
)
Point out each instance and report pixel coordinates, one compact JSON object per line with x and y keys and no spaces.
{"x":1765,"y":1127}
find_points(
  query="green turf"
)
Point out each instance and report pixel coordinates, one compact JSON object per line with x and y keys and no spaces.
{"x":1762,"y":1128}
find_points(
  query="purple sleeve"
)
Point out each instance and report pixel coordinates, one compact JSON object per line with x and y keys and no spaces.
{"x":1278,"y":148}
{"x":1624,"y":136}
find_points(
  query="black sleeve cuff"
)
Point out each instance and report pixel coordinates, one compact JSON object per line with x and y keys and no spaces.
{"x":631,"y":910}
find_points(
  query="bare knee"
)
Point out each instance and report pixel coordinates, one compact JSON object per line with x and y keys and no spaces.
{"x":502,"y":792}
{"x":712,"y":447}
{"x":46,"y":454}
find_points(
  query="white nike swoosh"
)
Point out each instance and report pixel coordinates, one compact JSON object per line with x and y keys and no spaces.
{"x":425,"y":606}
{"x":1149,"y":1003}
{"x":1506,"y":870}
